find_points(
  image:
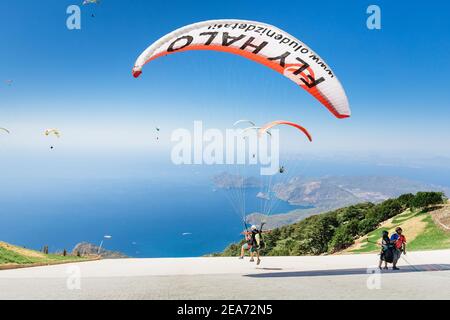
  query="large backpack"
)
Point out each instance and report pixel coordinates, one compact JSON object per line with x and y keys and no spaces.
{"x":389,"y":253}
{"x":262,"y":245}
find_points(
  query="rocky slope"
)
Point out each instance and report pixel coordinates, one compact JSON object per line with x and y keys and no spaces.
{"x":85,"y":248}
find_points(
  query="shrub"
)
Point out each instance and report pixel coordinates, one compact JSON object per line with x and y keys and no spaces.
{"x":425,"y":199}
{"x":342,"y":239}
{"x":367,"y":225}
{"x":405,"y":200}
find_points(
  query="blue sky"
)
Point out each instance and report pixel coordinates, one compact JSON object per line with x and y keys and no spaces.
{"x":80,"y":81}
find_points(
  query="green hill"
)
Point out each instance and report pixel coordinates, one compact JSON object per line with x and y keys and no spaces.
{"x":422,"y":217}
{"x":424,"y":229}
{"x":13,"y":256}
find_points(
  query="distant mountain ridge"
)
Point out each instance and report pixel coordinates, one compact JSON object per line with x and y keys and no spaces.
{"x":329,"y":191}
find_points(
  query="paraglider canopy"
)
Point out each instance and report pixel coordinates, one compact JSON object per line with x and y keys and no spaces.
{"x":85,"y":2}
{"x":5,"y":130}
{"x":244,"y":121}
{"x":262,"y":43}
{"x":54,"y":132}
{"x":289,"y":123}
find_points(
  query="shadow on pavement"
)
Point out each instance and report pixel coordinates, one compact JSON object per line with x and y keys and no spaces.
{"x":355,"y":271}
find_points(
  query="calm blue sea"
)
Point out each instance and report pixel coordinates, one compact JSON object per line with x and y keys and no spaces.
{"x":145,"y":218}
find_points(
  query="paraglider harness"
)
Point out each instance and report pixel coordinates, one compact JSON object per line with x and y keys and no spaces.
{"x":253,"y":241}
{"x":387,"y":251}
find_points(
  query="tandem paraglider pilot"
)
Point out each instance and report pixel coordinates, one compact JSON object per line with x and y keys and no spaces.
{"x":254,"y":243}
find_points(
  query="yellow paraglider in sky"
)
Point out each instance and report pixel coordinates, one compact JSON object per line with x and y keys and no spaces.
{"x":54,"y":132}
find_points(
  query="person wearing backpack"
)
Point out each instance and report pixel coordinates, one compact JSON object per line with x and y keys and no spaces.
{"x":399,"y":241}
{"x":255,"y":241}
{"x":387,"y":250}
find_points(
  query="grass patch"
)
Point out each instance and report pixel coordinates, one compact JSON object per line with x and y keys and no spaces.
{"x":9,"y":255}
{"x":432,"y":238}
{"x":369,"y":245}
{"x":404,"y":216}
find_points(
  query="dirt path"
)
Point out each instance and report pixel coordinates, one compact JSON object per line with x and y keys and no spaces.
{"x":442,"y":217}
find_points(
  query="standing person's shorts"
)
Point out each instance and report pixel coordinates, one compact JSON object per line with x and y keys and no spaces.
{"x":246,"y":246}
{"x":397,"y":254}
{"x":253,"y":249}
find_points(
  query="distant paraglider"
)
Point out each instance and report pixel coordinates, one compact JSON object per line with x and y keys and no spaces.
{"x":85,"y":2}
{"x":244,"y":121}
{"x":283,"y":122}
{"x":253,"y":127}
{"x":8,"y":82}
{"x":5,"y":130}
{"x":52,"y":132}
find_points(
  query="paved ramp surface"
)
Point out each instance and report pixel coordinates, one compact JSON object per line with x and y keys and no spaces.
{"x":423,"y":275}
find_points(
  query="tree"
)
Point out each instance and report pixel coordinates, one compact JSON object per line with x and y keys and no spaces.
{"x":423,"y":200}
{"x":233,"y":249}
{"x":342,"y":238}
{"x":367,"y":225}
{"x":353,"y":212}
{"x":405,"y":200}
{"x":388,"y":209}
{"x":284,"y":247}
